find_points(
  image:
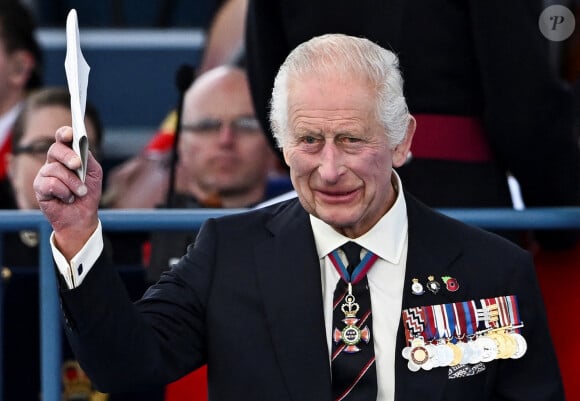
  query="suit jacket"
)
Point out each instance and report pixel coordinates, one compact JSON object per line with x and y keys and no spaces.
{"x":247,"y":300}
{"x":485,"y":59}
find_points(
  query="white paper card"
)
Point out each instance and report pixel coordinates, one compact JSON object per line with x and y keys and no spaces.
{"x":77,"y":76}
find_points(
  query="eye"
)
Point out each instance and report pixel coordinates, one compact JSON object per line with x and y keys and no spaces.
{"x":308,"y":139}
{"x":349,"y":140}
{"x":206,"y":126}
{"x":247,"y":125}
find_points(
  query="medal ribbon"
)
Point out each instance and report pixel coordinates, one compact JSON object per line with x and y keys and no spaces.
{"x":456,"y":320}
{"x":359,"y":272}
{"x":514,"y":312}
{"x":440,"y":322}
{"x":504,"y":319}
{"x":414,"y":319}
{"x":450,"y":319}
{"x":460,"y":321}
{"x":430,"y":327}
{"x":493,"y":319}
{"x":470,"y":317}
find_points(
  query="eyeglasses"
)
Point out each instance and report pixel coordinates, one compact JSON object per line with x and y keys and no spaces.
{"x":208,"y":126}
{"x":40,"y":148}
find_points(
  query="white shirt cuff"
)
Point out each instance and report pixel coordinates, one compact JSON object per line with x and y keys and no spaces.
{"x":76,"y":270}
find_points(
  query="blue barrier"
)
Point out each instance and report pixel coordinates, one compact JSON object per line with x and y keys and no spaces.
{"x":148,"y":220}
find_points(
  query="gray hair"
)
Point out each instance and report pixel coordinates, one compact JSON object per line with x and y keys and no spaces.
{"x":348,"y":55}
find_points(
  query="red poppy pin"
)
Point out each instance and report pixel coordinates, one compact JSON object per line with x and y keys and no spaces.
{"x":451,"y":283}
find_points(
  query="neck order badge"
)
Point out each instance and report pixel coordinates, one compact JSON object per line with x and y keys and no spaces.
{"x":353,"y":357}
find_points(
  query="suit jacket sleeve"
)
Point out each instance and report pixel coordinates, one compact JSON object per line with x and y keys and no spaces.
{"x":124,"y":346}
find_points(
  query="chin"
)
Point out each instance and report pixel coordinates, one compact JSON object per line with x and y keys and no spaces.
{"x":338,"y":219}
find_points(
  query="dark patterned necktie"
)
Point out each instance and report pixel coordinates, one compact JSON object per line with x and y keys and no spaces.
{"x":354,"y":376}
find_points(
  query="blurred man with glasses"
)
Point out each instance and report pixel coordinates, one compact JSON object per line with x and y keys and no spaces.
{"x":224,"y":159}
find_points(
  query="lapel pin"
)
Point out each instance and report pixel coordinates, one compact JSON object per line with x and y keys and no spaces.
{"x":417,"y":287}
{"x":433,"y":285}
{"x":450,"y":283}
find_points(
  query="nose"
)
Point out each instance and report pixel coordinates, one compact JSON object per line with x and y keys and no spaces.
{"x":331,"y":163}
{"x":227,"y":134}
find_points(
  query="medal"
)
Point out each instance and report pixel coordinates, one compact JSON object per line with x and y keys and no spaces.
{"x":488,"y":347}
{"x":465,"y":352}
{"x":511,"y":345}
{"x":476,"y":352}
{"x":351,"y":334}
{"x":419,"y":355}
{"x":521,"y":345}
{"x":462,"y":333}
{"x":29,"y":238}
{"x":444,"y":353}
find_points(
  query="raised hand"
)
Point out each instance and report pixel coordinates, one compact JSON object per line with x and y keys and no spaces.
{"x":70,"y":205}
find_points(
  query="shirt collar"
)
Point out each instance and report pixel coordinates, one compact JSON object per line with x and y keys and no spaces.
{"x":385,"y":239}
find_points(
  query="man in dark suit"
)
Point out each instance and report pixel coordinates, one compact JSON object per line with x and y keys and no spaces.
{"x":456,"y":312}
{"x":478,"y":80}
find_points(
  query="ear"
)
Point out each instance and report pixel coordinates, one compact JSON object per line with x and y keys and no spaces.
{"x":403,"y":149}
{"x":21,"y":63}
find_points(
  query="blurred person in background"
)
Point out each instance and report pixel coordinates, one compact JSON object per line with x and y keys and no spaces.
{"x":20,"y":72}
{"x":224,"y":159}
{"x":142,"y":181}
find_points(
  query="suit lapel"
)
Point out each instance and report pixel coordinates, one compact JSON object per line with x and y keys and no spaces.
{"x":288,"y":272}
{"x":429,"y":254}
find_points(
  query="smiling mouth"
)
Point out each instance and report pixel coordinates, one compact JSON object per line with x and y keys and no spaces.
{"x":338,"y":196}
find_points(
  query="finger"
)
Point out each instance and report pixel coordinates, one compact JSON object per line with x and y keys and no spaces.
{"x":61,"y":152}
{"x":64,"y":134}
{"x":54,"y":181}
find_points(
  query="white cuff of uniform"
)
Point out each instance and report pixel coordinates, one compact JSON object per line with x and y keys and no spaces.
{"x":75,"y":271}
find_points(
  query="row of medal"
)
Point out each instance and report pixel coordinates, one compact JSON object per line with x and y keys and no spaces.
{"x":459,"y":333}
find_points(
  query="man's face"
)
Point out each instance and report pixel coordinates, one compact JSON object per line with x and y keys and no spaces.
{"x":23,"y":166}
{"x":339,"y":156}
{"x":222,"y":149}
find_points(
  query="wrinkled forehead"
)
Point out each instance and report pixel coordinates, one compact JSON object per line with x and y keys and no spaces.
{"x":331,"y":96}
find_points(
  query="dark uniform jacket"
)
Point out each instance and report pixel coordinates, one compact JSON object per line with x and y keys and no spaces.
{"x":247,"y":300}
